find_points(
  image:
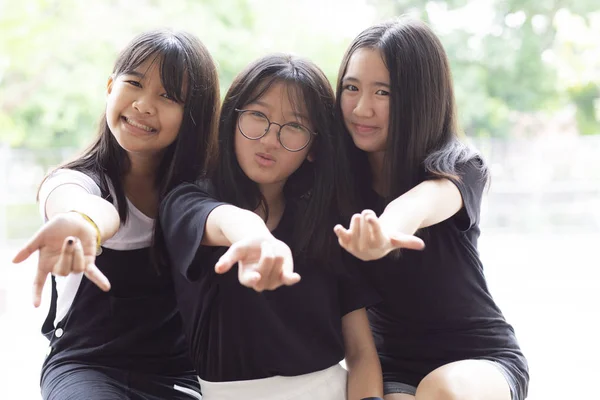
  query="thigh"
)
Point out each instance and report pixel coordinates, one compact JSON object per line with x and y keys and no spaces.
{"x":465,"y":380}
{"x":398,"y":396}
{"x":83,"y":382}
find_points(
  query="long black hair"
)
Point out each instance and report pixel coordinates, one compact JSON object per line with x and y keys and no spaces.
{"x":189,"y":75}
{"x":311,"y":185}
{"x":423,"y":130}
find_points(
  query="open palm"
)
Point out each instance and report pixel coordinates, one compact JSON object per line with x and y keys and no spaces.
{"x":263,"y":263}
{"x":367,"y":240}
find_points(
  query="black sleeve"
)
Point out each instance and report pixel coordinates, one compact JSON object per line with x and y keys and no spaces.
{"x":183,"y":214}
{"x":354,"y":293}
{"x":471,"y":182}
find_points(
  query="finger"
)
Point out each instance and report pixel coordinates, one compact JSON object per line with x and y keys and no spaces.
{"x":375,"y":231}
{"x":366,"y":241}
{"x":407,"y":242}
{"x":38,"y":286}
{"x":290,"y":278}
{"x":355,"y":230}
{"x":79,"y":263}
{"x":233,"y":255}
{"x":64,"y":264}
{"x":97,"y":277}
{"x":275,"y":278}
{"x":266,"y":265}
{"x":343,"y":235}
{"x":33,"y":245}
{"x":249,"y":278}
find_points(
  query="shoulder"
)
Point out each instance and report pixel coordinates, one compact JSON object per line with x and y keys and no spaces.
{"x":71,"y":176}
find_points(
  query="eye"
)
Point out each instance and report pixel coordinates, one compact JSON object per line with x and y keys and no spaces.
{"x":296,"y":126}
{"x":170,"y":98}
{"x":351,"y":88}
{"x":256,"y":114}
{"x":382,"y":92}
{"x":134,"y":83}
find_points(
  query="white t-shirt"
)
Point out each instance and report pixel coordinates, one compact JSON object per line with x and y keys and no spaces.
{"x":136,"y":233}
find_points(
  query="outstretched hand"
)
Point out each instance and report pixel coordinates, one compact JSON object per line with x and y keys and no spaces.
{"x":367,"y":240}
{"x":67,"y":244}
{"x":263,"y":263}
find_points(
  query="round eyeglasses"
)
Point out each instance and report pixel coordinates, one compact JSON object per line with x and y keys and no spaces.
{"x":293,"y":136}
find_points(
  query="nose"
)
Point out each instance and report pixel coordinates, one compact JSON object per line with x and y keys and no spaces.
{"x":144,"y":105}
{"x":364,"y":107}
{"x":270,"y":140}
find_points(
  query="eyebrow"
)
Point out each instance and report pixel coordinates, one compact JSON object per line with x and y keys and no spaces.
{"x":135,"y":73}
{"x":376,"y":83}
{"x":294,"y":114}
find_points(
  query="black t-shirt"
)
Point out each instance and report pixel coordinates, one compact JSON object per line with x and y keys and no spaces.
{"x":436,"y":305}
{"x":235,"y":333}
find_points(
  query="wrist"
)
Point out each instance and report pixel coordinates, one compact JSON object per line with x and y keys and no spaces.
{"x":95,"y":227}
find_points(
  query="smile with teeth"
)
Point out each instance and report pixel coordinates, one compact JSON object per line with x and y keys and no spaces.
{"x":138,"y":125}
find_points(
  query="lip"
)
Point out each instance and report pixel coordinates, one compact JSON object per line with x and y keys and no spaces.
{"x":264,"y":159}
{"x":364,"y":130}
{"x":137,"y":127}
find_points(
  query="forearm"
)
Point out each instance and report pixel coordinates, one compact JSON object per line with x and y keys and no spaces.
{"x":68,"y":198}
{"x":364,"y":376}
{"x":228,"y":224}
{"x":426,"y":204}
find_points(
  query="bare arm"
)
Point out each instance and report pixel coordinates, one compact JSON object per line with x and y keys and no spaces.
{"x":428,"y":203}
{"x":364,"y":369}
{"x":72,"y":197}
{"x":228,"y":224}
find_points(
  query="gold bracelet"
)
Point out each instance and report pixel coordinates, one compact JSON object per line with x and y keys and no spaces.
{"x":98,"y":236}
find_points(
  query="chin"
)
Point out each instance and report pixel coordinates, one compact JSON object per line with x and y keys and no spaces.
{"x":369,"y":146}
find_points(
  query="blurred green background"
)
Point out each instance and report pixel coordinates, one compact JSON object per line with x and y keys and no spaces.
{"x":512,"y":60}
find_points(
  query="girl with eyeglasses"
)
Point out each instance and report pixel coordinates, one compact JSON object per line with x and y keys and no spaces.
{"x":277,"y":324}
{"x":439,"y":333}
{"x":113,"y":324}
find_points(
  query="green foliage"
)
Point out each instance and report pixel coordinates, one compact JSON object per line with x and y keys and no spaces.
{"x":56,"y":55}
{"x":500,"y":68}
{"x":584,"y":98}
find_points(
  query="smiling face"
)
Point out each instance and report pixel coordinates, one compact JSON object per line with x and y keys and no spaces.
{"x":365,"y":100}
{"x":141,"y":116}
{"x":265,"y":161}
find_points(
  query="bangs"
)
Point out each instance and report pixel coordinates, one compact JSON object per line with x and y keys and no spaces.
{"x":299,"y":94}
{"x":172,"y":64}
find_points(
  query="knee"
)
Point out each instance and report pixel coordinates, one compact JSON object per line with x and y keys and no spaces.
{"x":439,"y":385}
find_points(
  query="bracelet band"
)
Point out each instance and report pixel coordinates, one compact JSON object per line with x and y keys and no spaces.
{"x":98,"y":236}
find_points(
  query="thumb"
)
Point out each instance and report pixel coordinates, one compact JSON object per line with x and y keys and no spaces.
{"x":290,"y":278}
{"x":233,"y":255}
{"x":407,"y":242}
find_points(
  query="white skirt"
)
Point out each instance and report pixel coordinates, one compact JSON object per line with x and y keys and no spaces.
{"x":328,"y":384}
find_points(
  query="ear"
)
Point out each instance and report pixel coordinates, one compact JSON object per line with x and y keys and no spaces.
{"x":311,"y":156}
{"x":109,"y":84}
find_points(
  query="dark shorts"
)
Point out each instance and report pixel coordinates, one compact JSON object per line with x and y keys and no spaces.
{"x":398,"y":387}
{"x":75,"y":382}
{"x":516,"y":392}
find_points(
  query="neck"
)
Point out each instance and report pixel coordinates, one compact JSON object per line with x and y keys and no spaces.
{"x":273,"y":195}
{"x":140,"y":183}
{"x":376,"y":160}
{"x":142,"y":167}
